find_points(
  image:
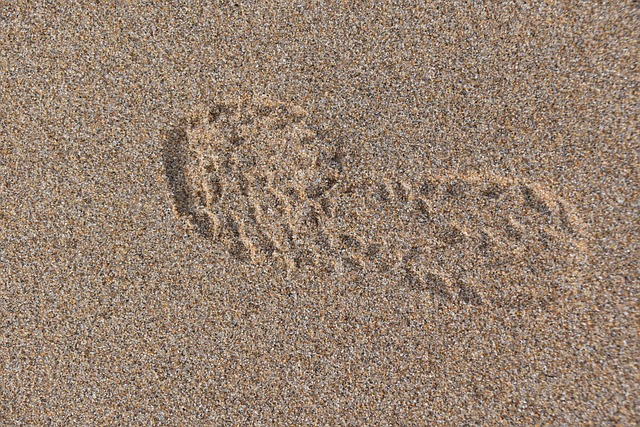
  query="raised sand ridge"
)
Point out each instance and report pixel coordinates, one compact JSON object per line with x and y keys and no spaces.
{"x":253,"y":176}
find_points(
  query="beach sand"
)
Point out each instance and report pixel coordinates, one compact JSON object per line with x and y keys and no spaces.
{"x":319,"y":214}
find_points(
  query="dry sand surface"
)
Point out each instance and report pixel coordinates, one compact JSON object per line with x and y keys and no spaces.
{"x":319,"y":213}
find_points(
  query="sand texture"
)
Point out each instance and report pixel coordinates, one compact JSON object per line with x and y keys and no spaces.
{"x":321,"y":213}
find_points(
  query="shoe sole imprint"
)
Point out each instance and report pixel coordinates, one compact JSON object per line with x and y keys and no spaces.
{"x":243,"y":172}
{"x":253,"y":176}
{"x":469,"y":239}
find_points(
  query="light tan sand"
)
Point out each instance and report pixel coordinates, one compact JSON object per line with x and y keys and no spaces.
{"x":319,"y":214}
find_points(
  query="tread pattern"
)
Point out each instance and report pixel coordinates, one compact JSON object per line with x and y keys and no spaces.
{"x":465,"y":239}
{"x":253,"y":176}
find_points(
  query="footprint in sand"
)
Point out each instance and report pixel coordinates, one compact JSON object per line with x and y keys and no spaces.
{"x":251,"y":175}
{"x":464,"y":238}
{"x":254,"y":177}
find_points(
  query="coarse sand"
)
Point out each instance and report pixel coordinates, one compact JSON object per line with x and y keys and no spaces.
{"x":319,"y":213}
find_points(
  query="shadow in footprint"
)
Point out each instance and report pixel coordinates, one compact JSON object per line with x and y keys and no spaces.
{"x":174,"y":156}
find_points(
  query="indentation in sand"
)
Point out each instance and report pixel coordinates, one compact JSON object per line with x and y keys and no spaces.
{"x":253,"y":176}
{"x":465,"y":238}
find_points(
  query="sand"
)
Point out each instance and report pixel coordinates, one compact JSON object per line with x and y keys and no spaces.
{"x":319,"y":214}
